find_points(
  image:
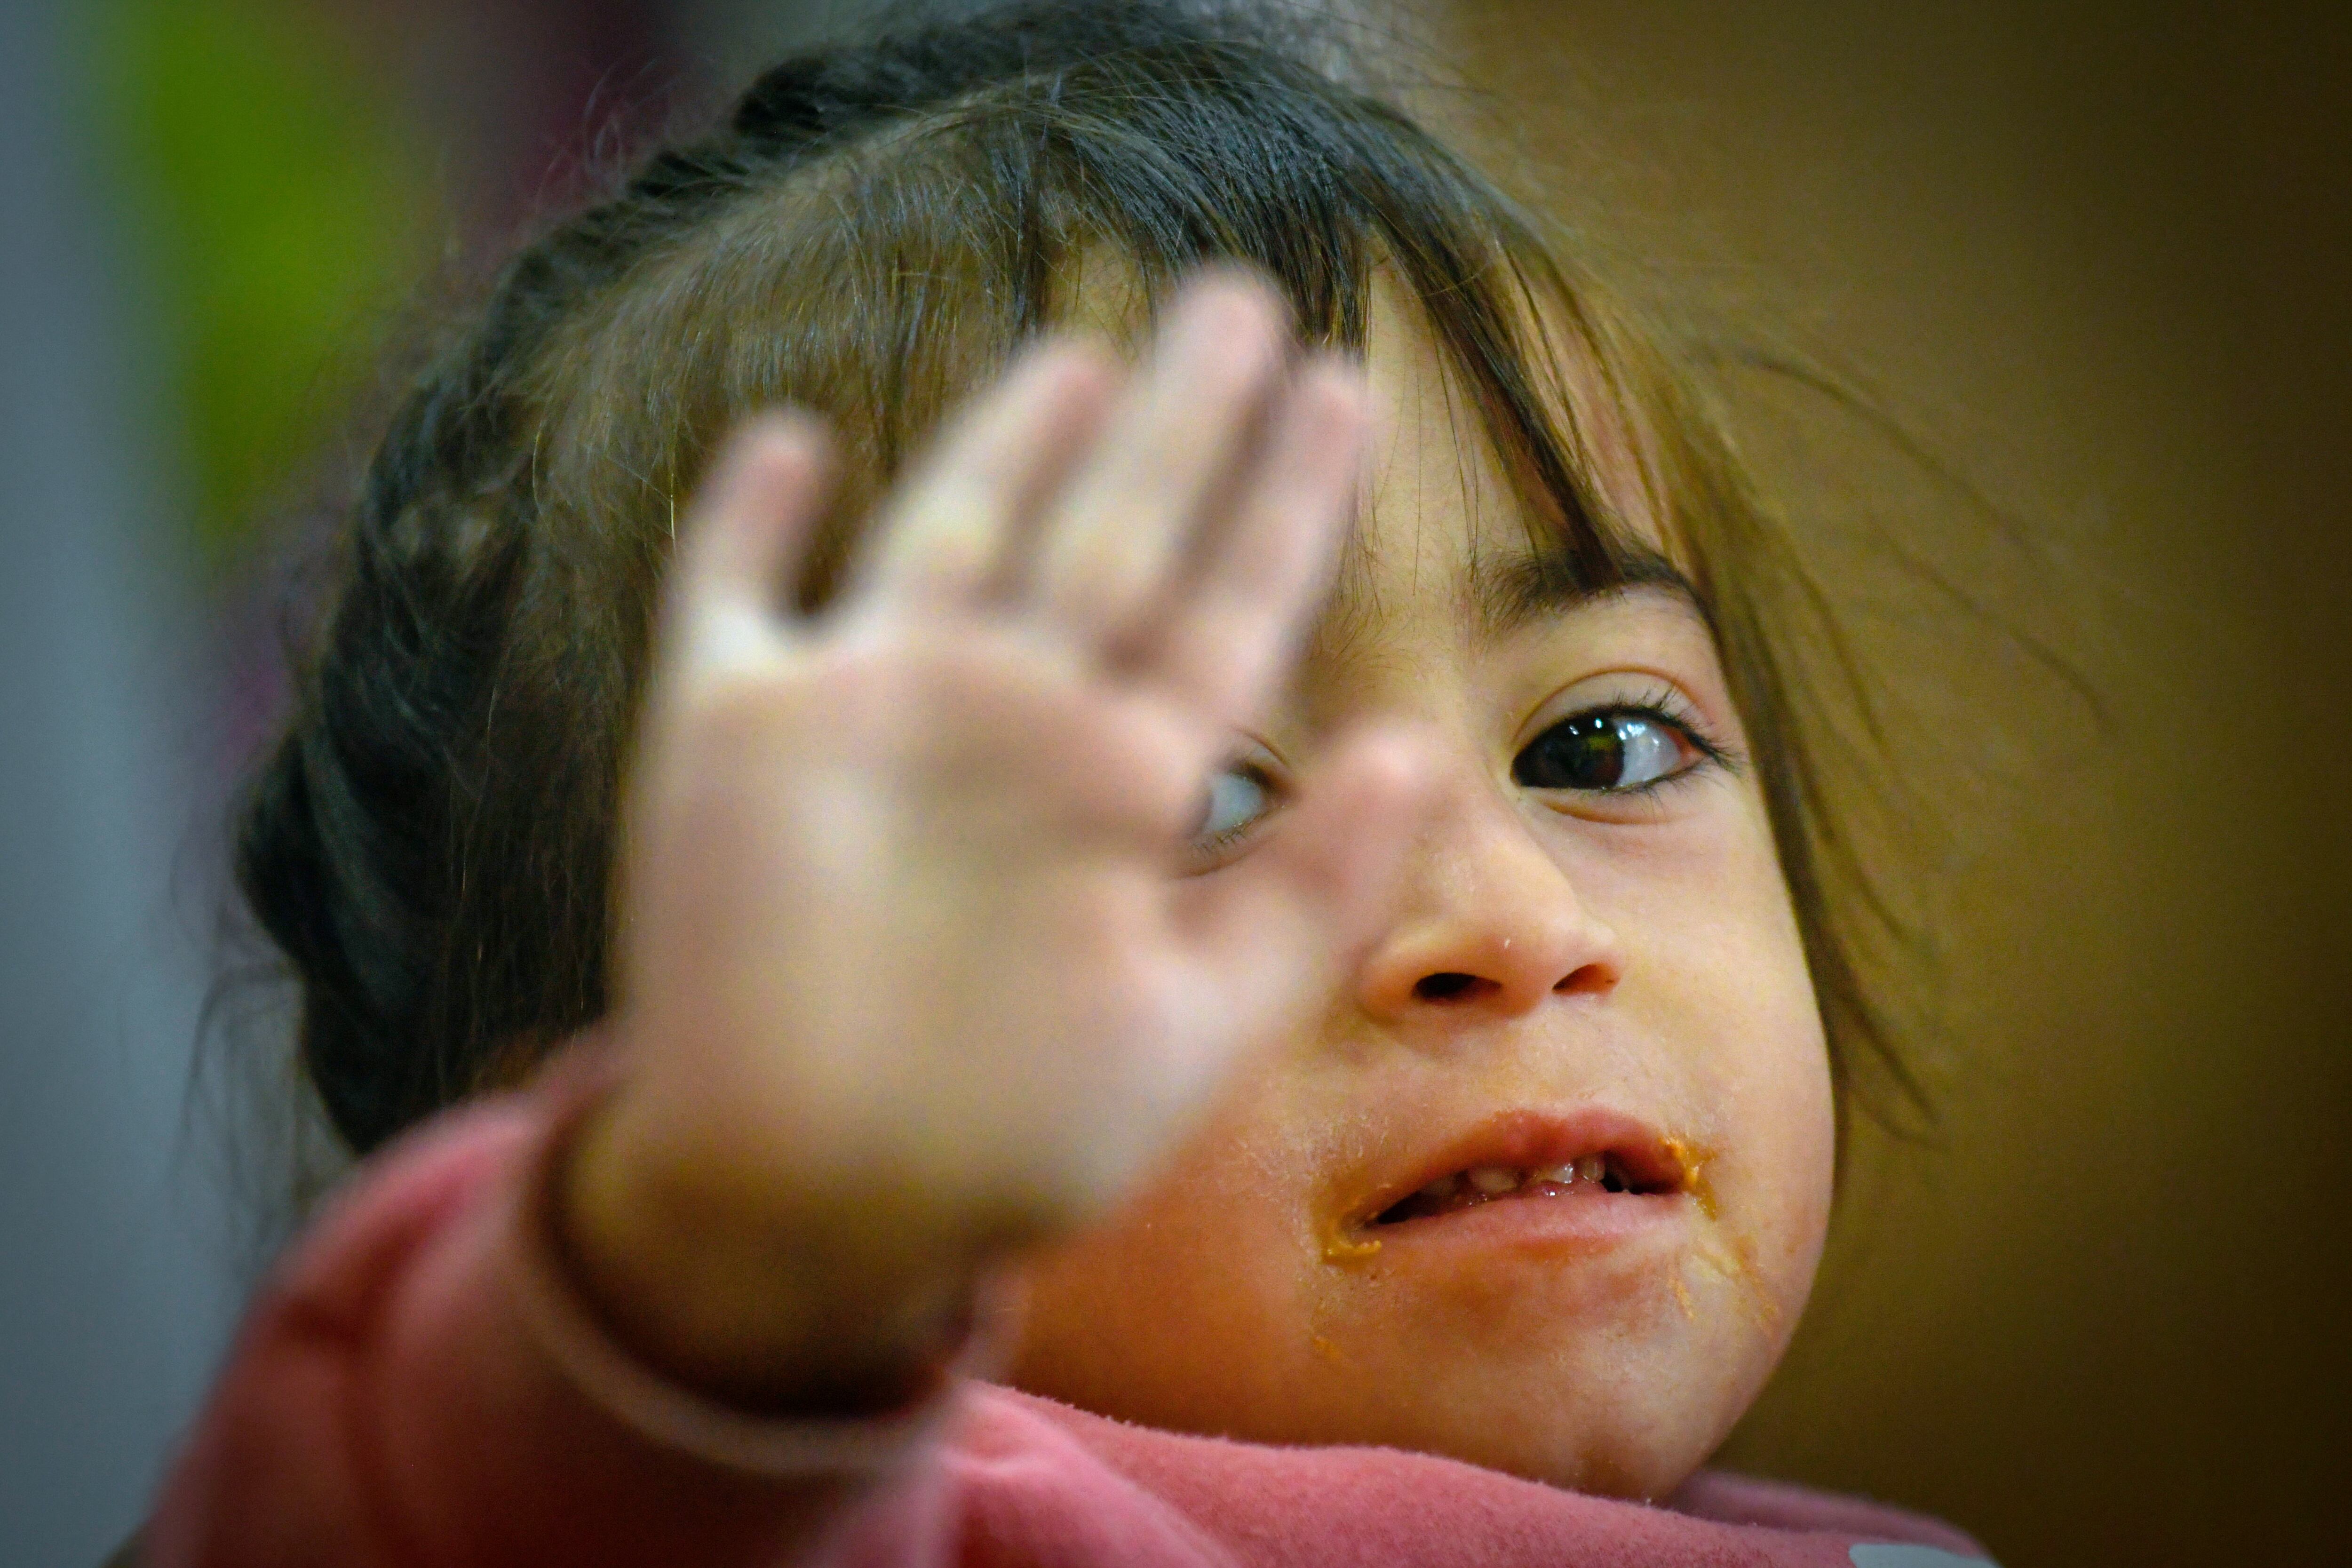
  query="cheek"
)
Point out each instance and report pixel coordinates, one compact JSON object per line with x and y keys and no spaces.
{"x":1188,"y":1308}
{"x":1793,"y":1121}
{"x":1783,"y":1152}
{"x":1734,"y":984}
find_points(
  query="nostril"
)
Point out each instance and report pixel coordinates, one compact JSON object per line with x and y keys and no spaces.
{"x":1450,"y":985}
{"x":1590,"y":980}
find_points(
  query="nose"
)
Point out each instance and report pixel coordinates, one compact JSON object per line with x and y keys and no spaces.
{"x":1489,"y":924}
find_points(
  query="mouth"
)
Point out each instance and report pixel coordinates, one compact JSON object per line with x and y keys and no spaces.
{"x":1578,"y":1167}
{"x":1467,"y":1189}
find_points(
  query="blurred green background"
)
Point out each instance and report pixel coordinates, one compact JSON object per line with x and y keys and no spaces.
{"x":282,"y":198}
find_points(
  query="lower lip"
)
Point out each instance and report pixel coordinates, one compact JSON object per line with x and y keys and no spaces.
{"x":1581,"y":1221}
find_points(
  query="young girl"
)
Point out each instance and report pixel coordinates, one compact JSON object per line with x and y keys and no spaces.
{"x":1215,"y":962}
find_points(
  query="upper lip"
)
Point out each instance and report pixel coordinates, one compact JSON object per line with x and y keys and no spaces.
{"x":1532,"y":1140}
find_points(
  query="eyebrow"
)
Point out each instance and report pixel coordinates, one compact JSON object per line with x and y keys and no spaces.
{"x":1509,"y":592}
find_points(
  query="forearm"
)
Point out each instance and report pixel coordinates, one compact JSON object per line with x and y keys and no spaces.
{"x":419,"y":1387}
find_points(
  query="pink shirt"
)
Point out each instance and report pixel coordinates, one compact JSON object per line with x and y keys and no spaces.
{"x":417,"y":1386}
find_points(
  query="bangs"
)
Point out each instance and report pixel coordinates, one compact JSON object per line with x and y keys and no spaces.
{"x":903,"y":255}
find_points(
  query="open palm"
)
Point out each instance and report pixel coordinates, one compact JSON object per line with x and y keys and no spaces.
{"x":911,"y":938}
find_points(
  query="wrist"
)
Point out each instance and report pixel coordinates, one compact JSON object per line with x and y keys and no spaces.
{"x":741,"y":1288}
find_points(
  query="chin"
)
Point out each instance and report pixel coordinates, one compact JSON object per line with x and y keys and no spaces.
{"x":1608,"y":1349}
{"x":1625,"y":1410}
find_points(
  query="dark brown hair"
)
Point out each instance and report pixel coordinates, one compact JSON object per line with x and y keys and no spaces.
{"x":870,"y":231}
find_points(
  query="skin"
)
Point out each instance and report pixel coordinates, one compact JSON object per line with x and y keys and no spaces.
{"x":924,"y":980}
{"x":1640,"y":953}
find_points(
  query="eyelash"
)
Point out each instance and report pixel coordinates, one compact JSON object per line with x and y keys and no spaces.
{"x":1662,"y":705}
{"x":1217,"y":843}
{"x":1665,"y":705}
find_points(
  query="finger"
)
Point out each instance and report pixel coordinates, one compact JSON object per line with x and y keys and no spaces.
{"x":744,"y":532}
{"x":1230,"y":631}
{"x":946,"y":533}
{"x":1180,"y":433}
{"x":1278,"y":925}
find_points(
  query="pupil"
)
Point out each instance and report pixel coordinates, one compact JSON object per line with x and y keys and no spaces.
{"x":1585,"y":752}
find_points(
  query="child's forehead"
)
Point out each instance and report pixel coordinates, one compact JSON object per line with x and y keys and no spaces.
{"x":1443,"y":544}
{"x":1412,"y":584}
{"x":1443,"y":539}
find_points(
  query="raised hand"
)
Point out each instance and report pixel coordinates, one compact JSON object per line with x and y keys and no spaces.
{"x":915,"y":970}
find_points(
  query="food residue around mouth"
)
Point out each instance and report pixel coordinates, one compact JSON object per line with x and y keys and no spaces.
{"x":1693,"y":1161}
{"x":1339,"y":1247}
{"x":1735,"y":1265}
{"x":1683,"y":1172}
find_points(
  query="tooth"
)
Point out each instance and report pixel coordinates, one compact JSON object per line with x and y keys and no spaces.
{"x":1441,"y":1189}
{"x":1494,"y":1180}
{"x":1593,"y":1167}
{"x":1563,"y":1174}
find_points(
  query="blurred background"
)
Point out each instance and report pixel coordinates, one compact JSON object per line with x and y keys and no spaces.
{"x":2094,"y":258}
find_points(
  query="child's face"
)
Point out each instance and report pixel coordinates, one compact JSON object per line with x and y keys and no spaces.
{"x":1571,"y":970}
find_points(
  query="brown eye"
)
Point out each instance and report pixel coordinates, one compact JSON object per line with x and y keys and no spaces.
{"x":1612,"y":751}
